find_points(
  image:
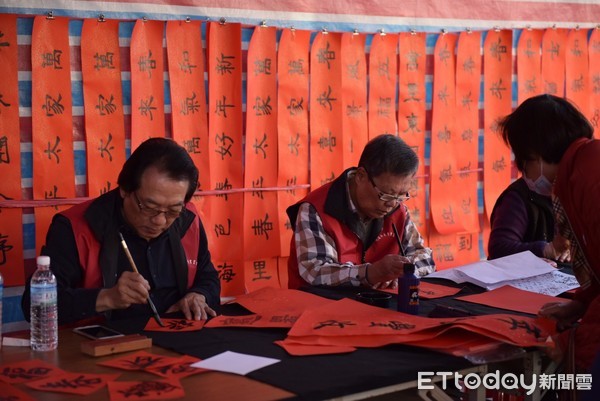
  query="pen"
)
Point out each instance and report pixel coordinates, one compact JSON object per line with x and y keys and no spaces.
{"x":398,"y":240}
{"x":133,"y":266}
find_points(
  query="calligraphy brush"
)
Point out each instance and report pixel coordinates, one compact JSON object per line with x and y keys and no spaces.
{"x":133,"y":266}
{"x":398,"y":239}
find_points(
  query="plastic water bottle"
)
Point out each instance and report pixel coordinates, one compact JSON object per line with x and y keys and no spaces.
{"x":1,"y":295}
{"x":408,"y":291}
{"x":44,"y":313}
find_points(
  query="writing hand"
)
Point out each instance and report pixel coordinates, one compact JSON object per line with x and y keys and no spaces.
{"x":131,"y":288}
{"x":387,"y":269}
{"x":193,"y":306}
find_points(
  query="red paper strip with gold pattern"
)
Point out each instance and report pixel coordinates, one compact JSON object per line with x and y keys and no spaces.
{"x":354,"y":97}
{"x":261,"y":226}
{"x":326,"y":139}
{"x":147,"y":82}
{"x":292,"y":123}
{"x":445,"y":157}
{"x":594,"y":74}
{"x":383,"y":73}
{"x":529,"y":64}
{"x":553,"y":61}
{"x":51,"y":106}
{"x":453,"y":250}
{"x":261,"y":273}
{"x":468,"y":81}
{"x":11,"y":228}
{"x":412,"y":116}
{"x":224,"y":55}
{"x":189,"y":116}
{"x":577,"y":85}
{"x":497,"y":94}
{"x":104,"y":121}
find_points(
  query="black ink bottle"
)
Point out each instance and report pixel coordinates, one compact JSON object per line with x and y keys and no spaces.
{"x":408,"y":291}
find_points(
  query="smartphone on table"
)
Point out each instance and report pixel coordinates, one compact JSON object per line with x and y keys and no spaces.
{"x":97,"y":332}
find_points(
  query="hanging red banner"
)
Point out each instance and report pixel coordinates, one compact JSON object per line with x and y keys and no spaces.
{"x":104,"y":121}
{"x":594,"y":83}
{"x":11,"y":220}
{"x":553,"y":61}
{"x":412,"y":116}
{"x":354,"y":97}
{"x":468,"y":73}
{"x":383,"y":70}
{"x":51,"y":115}
{"x":189,"y":118}
{"x":292,"y":125}
{"x":224,"y":55}
{"x":261,"y":226}
{"x":577,"y":85}
{"x":147,"y":82}
{"x":261,"y":273}
{"x":497,"y":95}
{"x":445,"y":157}
{"x":529,"y":64}
{"x":325,"y":109}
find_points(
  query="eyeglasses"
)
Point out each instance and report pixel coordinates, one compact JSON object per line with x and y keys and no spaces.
{"x":153,"y":212}
{"x":388,"y":198}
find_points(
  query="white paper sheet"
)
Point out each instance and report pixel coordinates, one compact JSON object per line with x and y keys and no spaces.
{"x":552,"y":283}
{"x":234,"y":362}
{"x":498,"y":271}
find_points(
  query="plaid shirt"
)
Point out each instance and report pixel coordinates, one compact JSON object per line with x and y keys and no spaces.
{"x":318,"y":258}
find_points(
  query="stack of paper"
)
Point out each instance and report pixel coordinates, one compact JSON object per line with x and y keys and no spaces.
{"x":523,"y":270}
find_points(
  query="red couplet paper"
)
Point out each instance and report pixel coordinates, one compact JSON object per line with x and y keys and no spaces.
{"x":145,"y":390}
{"x":11,"y":233}
{"x":292,"y":127}
{"x":73,"y":383}
{"x":298,"y":349}
{"x":512,"y":298}
{"x":594,"y":76}
{"x":279,"y":300}
{"x":51,"y":118}
{"x":412,"y":116}
{"x":263,"y":272}
{"x":147,"y":82}
{"x":577,"y":85}
{"x":179,"y":369}
{"x":383,"y":74}
{"x":140,"y":360}
{"x":12,"y":393}
{"x":189,"y":117}
{"x":454,"y":249}
{"x":553,"y":61}
{"x":24,"y":371}
{"x":175,"y":325}
{"x":260,"y":221}
{"x":497,"y":57}
{"x":430,"y":290}
{"x":224,"y":64}
{"x":468,"y":73}
{"x":104,"y":119}
{"x":354,"y":97}
{"x":325,"y":109}
{"x":529,"y":64}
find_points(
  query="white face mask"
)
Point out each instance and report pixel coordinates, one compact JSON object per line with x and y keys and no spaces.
{"x":541,"y":185}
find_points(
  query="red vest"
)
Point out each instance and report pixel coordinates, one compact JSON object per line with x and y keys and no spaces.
{"x":89,"y":247}
{"x":349,"y":247}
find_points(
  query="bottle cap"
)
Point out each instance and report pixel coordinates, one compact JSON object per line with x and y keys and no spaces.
{"x":409,"y":268}
{"x":43,"y":260}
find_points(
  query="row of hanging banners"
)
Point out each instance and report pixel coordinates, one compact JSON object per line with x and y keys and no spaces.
{"x":244,"y":193}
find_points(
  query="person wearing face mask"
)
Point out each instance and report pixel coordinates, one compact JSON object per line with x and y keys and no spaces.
{"x":551,"y":129}
{"x":522,"y":218}
{"x":344,"y":230}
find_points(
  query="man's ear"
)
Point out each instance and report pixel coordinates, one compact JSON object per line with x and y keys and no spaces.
{"x":122,"y":193}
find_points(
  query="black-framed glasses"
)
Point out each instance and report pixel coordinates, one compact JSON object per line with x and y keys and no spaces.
{"x":385,"y":197}
{"x":153,"y":212}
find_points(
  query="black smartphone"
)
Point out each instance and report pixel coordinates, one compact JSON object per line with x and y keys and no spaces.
{"x":97,"y":332}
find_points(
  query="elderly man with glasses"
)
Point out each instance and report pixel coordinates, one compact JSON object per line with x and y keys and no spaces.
{"x":151,"y":211}
{"x":356,"y":229}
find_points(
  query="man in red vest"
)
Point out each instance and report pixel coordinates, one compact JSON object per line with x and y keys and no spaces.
{"x":162,"y":230}
{"x":344,"y":230}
